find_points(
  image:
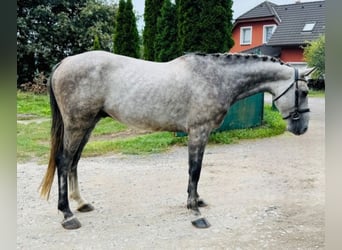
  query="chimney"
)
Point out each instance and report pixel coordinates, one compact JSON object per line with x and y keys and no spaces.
{"x":297,"y":1}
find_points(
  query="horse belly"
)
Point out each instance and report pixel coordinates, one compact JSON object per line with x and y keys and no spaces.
{"x":149,"y":118}
{"x":149,"y":111}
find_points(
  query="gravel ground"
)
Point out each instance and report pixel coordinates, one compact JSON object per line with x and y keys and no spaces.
{"x":262,"y":194}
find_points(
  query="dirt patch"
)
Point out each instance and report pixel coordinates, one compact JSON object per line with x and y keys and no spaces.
{"x":262,"y":194}
{"x":30,"y":118}
{"x":120,"y":135}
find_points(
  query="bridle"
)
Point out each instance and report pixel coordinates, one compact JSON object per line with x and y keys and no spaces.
{"x":296,"y":113}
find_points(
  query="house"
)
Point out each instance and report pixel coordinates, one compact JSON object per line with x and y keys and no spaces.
{"x":279,"y":30}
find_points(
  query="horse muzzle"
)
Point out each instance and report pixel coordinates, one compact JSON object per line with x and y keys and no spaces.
{"x":296,"y":127}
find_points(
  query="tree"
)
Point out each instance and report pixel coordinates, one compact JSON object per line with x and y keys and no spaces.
{"x":126,"y":36}
{"x":189,"y":33}
{"x":165,"y":44}
{"x":44,"y":34}
{"x":97,"y":45}
{"x":216,"y":26}
{"x":151,"y":13}
{"x":314,"y":55}
{"x":205,"y":26}
{"x":97,"y":19}
{"x":49,"y":30}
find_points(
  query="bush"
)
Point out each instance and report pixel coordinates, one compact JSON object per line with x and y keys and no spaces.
{"x":314,"y":55}
{"x":316,"y":84}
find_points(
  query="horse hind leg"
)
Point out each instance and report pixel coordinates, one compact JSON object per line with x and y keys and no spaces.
{"x":64,"y":160}
{"x":74,"y":141}
{"x":83,"y":205}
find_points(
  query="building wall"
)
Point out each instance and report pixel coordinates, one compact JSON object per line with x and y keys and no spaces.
{"x":257,"y":35}
{"x":292,"y":54}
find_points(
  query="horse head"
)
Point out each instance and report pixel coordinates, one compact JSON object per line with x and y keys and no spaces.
{"x":293,"y":103}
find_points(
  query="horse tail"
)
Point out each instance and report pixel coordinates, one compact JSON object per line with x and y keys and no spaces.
{"x":57,"y":132}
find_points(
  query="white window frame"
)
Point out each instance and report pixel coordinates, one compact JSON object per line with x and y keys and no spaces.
{"x":242,"y":33}
{"x":264,"y":31}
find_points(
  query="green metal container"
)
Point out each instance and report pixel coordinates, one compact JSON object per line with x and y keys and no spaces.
{"x":246,"y":113}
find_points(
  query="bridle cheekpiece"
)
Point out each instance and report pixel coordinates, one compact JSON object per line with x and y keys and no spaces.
{"x":295,"y":114}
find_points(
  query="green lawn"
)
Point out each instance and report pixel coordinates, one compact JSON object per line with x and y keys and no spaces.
{"x":33,"y":138}
{"x":316,"y":93}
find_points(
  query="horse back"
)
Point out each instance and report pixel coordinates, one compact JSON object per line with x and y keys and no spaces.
{"x":144,"y":94}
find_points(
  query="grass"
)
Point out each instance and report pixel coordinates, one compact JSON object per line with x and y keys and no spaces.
{"x":33,"y":139}
{"x":143,"y":144}
{"x":316,"y":93}
{"x":273,"y":125}
{"x":108,"y":126}
{"x":30,"y":104}
{"x":162,"y":141}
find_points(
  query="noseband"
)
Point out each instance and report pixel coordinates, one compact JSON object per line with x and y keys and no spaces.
{"x":295,"y":114}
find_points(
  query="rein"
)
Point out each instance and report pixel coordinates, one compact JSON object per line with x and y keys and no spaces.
{"x":295,"y":114}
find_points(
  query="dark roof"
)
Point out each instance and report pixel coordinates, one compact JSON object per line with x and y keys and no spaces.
{"x":264,"y":50}
{"x":293,"y":18}
{"x":265,"y":9}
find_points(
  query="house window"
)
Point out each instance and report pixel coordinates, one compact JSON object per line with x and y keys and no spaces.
{"x":309,"y":26}
{"x":268,"y":31}
{"x":246,"y":35}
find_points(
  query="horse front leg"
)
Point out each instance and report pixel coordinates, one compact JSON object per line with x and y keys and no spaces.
{"x":197,"y":141}
{"x":195,"y":166}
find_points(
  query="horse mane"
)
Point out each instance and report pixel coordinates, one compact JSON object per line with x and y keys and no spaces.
{"x":238,"y":57}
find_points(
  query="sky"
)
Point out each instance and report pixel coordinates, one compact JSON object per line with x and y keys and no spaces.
{"x":239,"y":7}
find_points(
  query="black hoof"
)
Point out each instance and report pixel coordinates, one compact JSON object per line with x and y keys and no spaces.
{"x":201,"y":203}
{"x":201,"y":223}
{"x":85,"y":208}
{"x":71,"y":223}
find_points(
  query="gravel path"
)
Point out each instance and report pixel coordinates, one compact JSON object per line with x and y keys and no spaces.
{"x":262,"y":194}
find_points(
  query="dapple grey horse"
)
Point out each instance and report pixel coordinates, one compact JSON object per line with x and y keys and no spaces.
{"x":191,"y":93}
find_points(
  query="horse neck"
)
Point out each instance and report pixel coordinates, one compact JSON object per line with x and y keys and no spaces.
{"x":257,"y":77}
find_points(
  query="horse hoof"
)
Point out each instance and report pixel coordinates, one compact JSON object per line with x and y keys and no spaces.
{"x":201,"y":223}
{"x":71,"y":223}
{"x":85,"y":208}
{"x":201,"y":203}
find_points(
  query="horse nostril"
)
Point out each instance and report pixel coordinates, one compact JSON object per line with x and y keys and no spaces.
{"x":305,"y":129}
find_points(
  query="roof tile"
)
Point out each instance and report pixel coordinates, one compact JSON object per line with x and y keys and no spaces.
{"x":293,"y":18}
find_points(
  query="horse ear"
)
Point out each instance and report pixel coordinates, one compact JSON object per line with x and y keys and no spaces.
{"x":308,"y":71}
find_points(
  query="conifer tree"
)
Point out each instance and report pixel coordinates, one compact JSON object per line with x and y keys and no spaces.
{"x":151,"y":14}
{"x":216,"y":26}
{"x":165,"y":45}
{"x":96,"y":45}
{"x":189,"y":37}
{"x":126,"y":36}
{"x":205,"y":26}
